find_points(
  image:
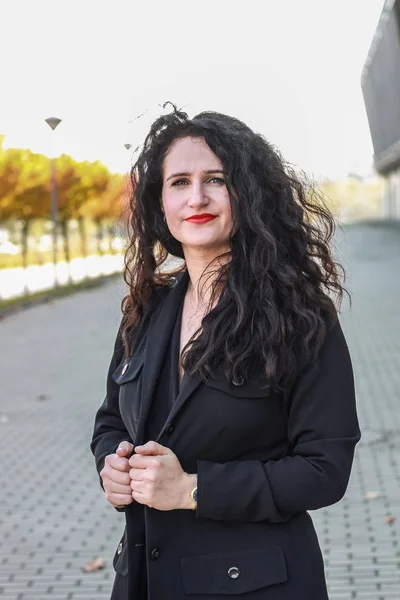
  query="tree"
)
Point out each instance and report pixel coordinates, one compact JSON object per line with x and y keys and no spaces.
{"x":106,"y":207}
{"x":25,"y":192}
{"x":24,"y":189}
{"x":78,"y":183}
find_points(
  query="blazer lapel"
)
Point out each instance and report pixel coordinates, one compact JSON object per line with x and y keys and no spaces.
{"x":158,"y":337}
{"x":189,"y":384}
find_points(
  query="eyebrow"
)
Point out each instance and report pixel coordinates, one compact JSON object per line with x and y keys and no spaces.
{"x":186,"y":174}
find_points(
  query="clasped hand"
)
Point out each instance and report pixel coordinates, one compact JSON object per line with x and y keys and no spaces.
{"x":152,"y":476}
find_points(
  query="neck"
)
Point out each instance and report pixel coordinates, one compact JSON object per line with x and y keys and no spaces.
{"x":202,"y":274}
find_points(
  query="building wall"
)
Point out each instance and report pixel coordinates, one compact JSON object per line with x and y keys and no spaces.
{"x":391,"y":196}
{"x":380,"y":84}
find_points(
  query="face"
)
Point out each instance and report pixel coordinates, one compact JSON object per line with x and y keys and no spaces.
{"x":195,"y":200}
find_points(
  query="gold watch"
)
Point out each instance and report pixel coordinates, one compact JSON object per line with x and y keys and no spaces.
{"x":193,"y":495}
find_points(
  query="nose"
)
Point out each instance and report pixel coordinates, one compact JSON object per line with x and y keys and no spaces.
{"x":197,"y":196}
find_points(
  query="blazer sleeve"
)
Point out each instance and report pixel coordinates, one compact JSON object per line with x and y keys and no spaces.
{"x":109,"y":429}
{"x":323,"y":431}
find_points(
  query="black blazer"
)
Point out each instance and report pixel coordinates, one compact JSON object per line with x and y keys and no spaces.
{"x":262,"y":459}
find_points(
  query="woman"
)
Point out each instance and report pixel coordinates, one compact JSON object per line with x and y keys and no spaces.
{"x":230,"y":408}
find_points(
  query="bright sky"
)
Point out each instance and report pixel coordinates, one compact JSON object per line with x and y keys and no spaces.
{"x":290,"y":69}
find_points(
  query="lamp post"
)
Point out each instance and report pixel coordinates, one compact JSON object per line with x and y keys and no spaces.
{"x":53,"y":122}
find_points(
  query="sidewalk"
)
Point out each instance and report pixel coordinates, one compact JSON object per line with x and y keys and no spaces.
{"x":361,"y":549}
{"x":53,"y":362}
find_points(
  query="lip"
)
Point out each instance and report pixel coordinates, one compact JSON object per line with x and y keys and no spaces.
{"x":199,"y":219}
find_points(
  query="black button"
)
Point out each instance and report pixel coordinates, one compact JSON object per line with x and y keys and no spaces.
{"x":234,"y":572}
{"x":155,"y":554}
{"x":170,"y":429}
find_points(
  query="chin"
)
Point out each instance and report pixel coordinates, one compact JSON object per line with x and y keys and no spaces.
{"x":204,"y":244}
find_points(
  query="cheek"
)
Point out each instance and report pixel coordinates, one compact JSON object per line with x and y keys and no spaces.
{"x":172,"y":206}
{"x":227,"y":210}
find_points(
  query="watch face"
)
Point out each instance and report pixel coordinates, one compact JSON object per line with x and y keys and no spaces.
{"x":195,"y":495}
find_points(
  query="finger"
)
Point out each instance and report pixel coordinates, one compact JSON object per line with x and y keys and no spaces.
{"x":119,"y":477}
{"x":125,"y":449}
{"x":116,"y":488}
{"x":138,"y":461}
{"x":136,"y":484}
{"x":113,"y":475}
{"x":136,"y":475}
{"x":117,"y":462}
{"x":119,"y":499}
{"x":152,"y":448}
{"x":139,"y":497}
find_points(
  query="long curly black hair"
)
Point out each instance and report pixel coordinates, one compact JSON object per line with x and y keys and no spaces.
{"x":281,"y":288}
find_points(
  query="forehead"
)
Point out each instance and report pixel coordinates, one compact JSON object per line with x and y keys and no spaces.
{"x":189,"y":153}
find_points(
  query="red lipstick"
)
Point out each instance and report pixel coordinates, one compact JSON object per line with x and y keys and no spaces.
{"x":200,"y":219}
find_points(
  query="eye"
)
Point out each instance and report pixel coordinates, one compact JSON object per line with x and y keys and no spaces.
{"x":179,"y":181}
{"x":219,"y":179}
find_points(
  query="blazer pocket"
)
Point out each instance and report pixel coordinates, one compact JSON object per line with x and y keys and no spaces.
{"x":128,"y":371}
{"x":234,"y":572}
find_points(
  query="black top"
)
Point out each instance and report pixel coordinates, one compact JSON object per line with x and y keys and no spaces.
{"x":166,"y":392}
{"x":167,"y":389}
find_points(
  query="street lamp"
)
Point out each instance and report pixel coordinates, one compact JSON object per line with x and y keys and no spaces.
{"x":53,"y":122}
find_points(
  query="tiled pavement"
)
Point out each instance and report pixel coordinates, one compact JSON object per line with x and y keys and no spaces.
{"x":361,"y":549}
{"x":53,"y":517}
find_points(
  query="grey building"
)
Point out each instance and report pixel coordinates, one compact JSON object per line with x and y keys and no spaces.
{"x":380,"y":82}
